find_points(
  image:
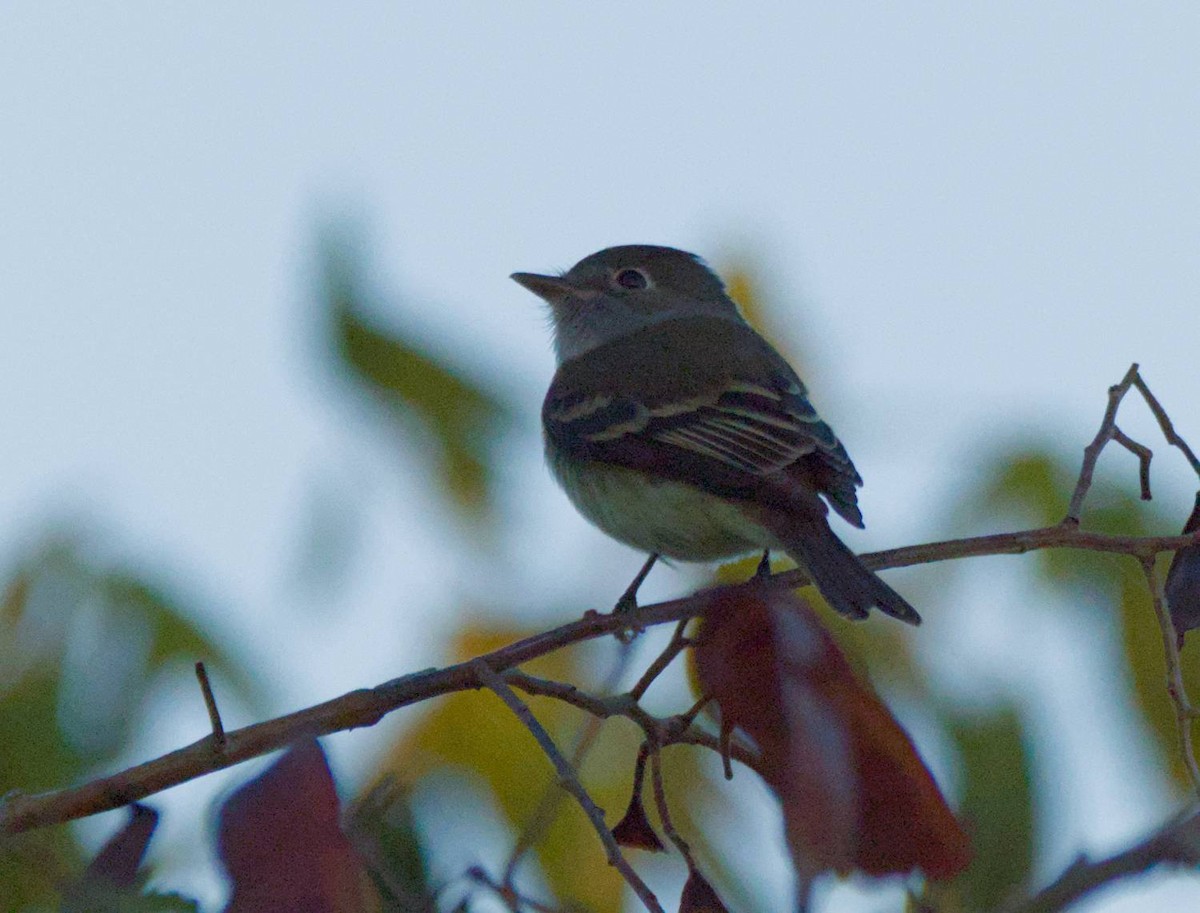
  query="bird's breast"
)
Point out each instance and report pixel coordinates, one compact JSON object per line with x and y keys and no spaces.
{"x":655,"y":515}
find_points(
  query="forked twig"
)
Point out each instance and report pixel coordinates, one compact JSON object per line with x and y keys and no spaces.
{"x":491,"y":679}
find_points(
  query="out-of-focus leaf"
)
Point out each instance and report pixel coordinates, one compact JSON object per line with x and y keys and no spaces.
{"x":103,"y":898}
{"x":81,"y":644}
{"x":35,"y":865}
{"x":1182,"y":588}
{"x":882,"y":650}
{"x":174,"y":637}
{"x":118,"y":861}
{"x":855,"y":794}
{"x":1033,"y":486}
{"x":698,"y":896}
{"x":475,"y":733}
{"x":742,"y":284}
{"x":1142,"y":640}
{"x":464,"y":420}
{"x":281,"y":841}
{"x":109,"y":884}
{"x":382,"y":827}
{"x":33,"y":755}
{"x":1037,"y":485}
{"x":997,"y":806}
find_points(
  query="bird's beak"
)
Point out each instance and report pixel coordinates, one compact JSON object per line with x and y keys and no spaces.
{"x":550,"y":288}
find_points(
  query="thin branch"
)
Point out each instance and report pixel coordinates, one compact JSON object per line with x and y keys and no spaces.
{"x":537,"y":824}
{"x":492,"y":680}
{"x":677,"y":645}
{"x":513,"y":899}
{"x":214,"y":714}
{"x":1144,"y":455}
{"x":671,"y":730}
{"x":1110,"y":432}
{"x":664,"y":812}
{"x":367,"y":706}
{"x":1176,"y":843}
{"x":1164,"y":422}
{"x":1184,"y":711}
{"x":1091,"y":453}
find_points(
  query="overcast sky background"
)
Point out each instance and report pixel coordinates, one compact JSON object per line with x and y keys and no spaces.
{"x":973,"y":218}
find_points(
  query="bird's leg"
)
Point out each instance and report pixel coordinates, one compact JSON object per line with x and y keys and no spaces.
{"x":628,"y":601}
{"x":763,"y":571}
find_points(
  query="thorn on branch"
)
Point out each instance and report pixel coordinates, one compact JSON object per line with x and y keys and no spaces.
{"x":214,"y":714}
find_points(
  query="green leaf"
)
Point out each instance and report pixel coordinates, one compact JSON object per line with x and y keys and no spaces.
{"x":476,"y":734}
{"x":174,"y":637}
{"x":997,"y":806}
{"x":1142,"y":639}
{"x":463,"y":421}
{"x":381,"y":825}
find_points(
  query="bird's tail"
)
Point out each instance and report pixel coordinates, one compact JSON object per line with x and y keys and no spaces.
{"x":845,"y":582}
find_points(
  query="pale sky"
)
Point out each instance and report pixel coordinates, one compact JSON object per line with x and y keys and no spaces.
{"x":974,"y":217}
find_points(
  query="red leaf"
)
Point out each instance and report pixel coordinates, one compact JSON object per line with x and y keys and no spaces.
{"x":634,"y":830}
{"x":699,"y":896}
{"x":855,"y":794}
{"x":1183,"y":582}
{"x":282,"y":844}
{"x":118,"y":861}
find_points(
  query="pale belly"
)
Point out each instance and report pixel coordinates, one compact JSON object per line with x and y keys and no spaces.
{"x":670,"y":518}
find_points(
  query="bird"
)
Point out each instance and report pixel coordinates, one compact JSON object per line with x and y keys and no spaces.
{"x":677,"y":429}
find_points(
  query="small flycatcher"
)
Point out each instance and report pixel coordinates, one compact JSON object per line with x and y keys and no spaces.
{"x":677,"y":429}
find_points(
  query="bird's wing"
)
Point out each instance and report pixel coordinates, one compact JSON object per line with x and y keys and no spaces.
{"x":729,"y":438}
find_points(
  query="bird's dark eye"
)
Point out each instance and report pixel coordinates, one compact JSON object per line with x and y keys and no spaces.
{"x":632,"y":279}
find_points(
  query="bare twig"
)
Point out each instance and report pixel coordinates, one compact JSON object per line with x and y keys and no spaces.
{"x":672,"y":730}
{"x":537,"y":824}
{"x":1091,"y":453}
{"x":1110,"y":432}
{"x":1164,"y":422}
{"x":1184,"y":711}
{"x":214,"y":714}
{"x":676,"y":646}
{"x":489,"y":678}
{"x":1176,"y":843}
{"x":513,"y":899}
{"x":664,"y":812}
{"x":366,"y":706}
{"x":1144,"y":455}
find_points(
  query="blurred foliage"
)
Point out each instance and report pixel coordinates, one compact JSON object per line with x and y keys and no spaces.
{"x":383,"y":828}
{"x":83,"y":641}
{"x":475,"y":734}
{"x":997,"y":804}
{"x":1034,"y":485}
{"x":461,"y":421}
